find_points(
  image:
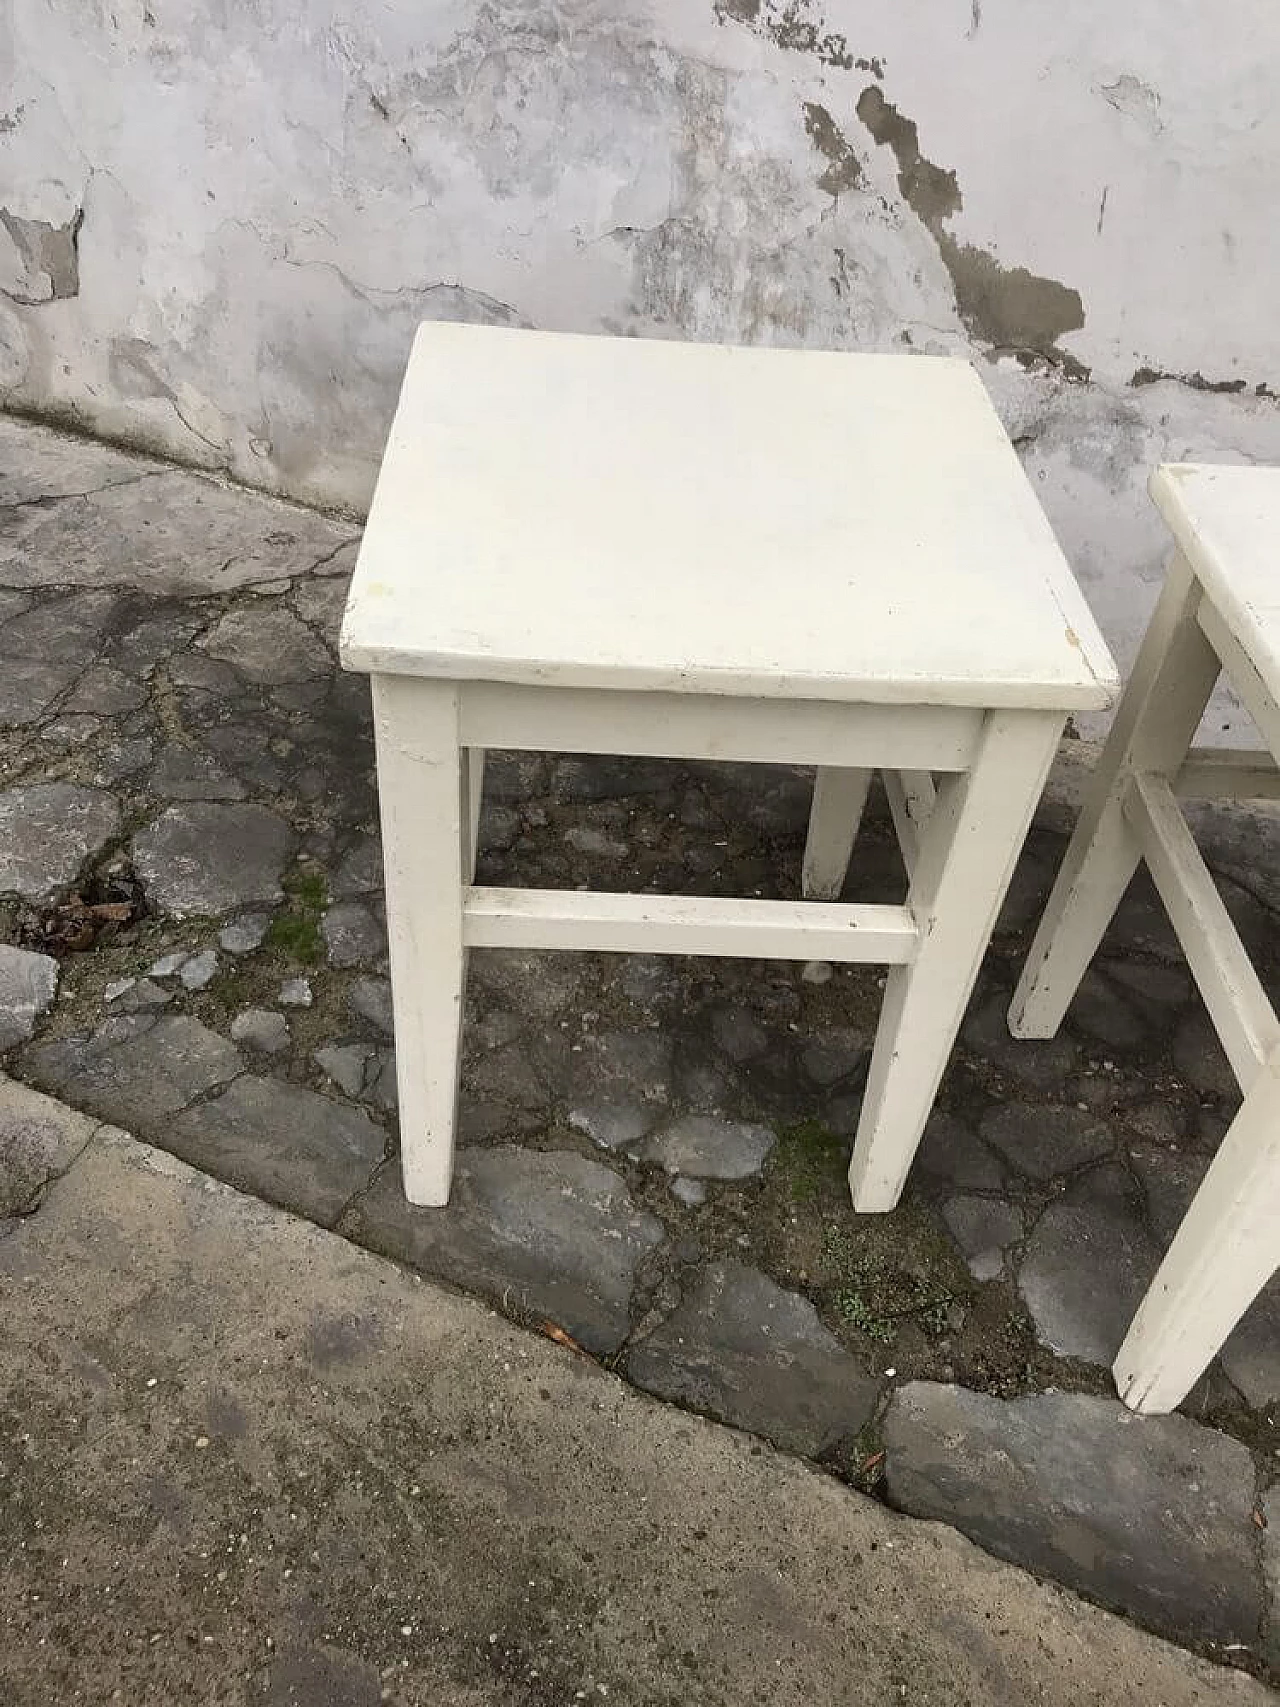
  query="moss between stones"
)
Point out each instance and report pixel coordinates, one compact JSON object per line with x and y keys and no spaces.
{"x":295,"y":931}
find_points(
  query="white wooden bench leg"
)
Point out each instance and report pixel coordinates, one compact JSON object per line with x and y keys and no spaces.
{"x":425,"y":804}
{"x":839,"y":796}
{"x":1222,"y":1255}
{"x":911,"y":796}
{"x":1155,"y":723}
{"x":473,"y":762}
{"x":966,"y":858}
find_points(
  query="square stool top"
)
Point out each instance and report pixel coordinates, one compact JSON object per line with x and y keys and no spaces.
{"x":1226,"y":520}
{"x":596,"y":512}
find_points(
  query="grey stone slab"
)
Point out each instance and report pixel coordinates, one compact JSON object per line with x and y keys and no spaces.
{"x":1088,"y":1262}
{"x":268,"y":644}
{"x":370,"y":999}
{"x":175,"y":533}
{"x":1160,"y":1119}
{"x":1102,"y":1013}
{"x":499,"y":827}
{"x":613,"y":1125}
{"x":551,"y":1234}
{"x":106,"y":692}
{"x":509,"y":1075}
{"x":1200,"y":1057}
{"x":1153,"y":1516}
{"x":136,"y":995}
{"x":620,"y":1066}
{"x":352,"y":935}
{"x":244,"y":934}
{"x":320,"y":601}
{"x":68,"y":628}
{"x":28,"y":983}
{"x":494,"y":1029}
{"x":39,"y":1139}
{"x":1043,"y":1142}
{"x":359,"y":872}
{"x":136,"y":1070}
{"x":199,"y":970}
{"x":1043,"y":1064}
{"x":261,"y":1029}
{"x":1251,"y":1355}
{"x":539,"y":984}
{"x":47,"y":832}
{"x":690,"y":1192}
{"x":66,"y":732}
{"x":738,"y":1034}
{"x":36,"y":462}
{"x":586,"y":839}
{"x":29,"y":685}
{"x":345,"y":1064}
{"x":118,"y":759}
{"x":984,"y":1229}
{"x":296,"y":993}
{"x":167,"y":964}
{"x":749,"y":1353}
{"x":1162,"y":986}
{"x":834,"y":1056}
{"x":140,"y":644}
{"x":702,"y":1146}
{"x":281,"y":1142}
{"x":208,"y":858}
{"x":189,"y":773}
{"x":582,"y":781}
{"x":952,"y":1157}
{"x":380,"y":1084}
{"x":210,"y":678}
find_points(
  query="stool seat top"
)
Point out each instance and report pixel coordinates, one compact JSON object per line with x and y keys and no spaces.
{"x":596,"y":512}
{"x":1227,"y":522}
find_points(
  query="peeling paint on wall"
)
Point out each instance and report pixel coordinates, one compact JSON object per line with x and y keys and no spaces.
{"x":1145,"y":376}
{"x":43,"y":263}
{"x":798,"y":27}
{"x":844,"y":169}
{"x":1008,"y":308}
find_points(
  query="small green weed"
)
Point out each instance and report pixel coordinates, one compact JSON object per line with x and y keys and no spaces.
{"x":876,"y":1297}
{"x":295,"y":932}
{"x":810,"y":1157}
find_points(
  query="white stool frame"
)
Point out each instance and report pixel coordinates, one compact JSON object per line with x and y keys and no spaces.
{"x":960,"y":842}
{"x":1229,"y":1242}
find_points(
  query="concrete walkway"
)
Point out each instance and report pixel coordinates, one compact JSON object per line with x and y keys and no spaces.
{"x":244,"y":1461}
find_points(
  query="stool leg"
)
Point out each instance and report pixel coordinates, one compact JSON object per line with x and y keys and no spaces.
{"x":911,"y":796}
{"x":839,"y":796}
{"x":1222,"y":1255}
{"x":1155,"y":723}
{"x":424,"y":801}
{"x":967,"y":854}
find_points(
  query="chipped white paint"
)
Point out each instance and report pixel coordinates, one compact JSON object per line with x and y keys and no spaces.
{"x":221,"y":224}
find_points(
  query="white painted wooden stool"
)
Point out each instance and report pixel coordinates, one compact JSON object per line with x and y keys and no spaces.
{"x":616,"y":546}
{"x":1219,"y":611}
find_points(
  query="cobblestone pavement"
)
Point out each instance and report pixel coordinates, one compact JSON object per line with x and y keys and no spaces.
{"x":652,"y":1160}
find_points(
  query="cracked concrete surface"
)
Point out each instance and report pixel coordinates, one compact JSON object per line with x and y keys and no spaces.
{"x":244,"y":1462}
{"x":652,"y":1153}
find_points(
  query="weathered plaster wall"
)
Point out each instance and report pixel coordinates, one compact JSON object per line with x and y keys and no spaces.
{"x":219,"y":223}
